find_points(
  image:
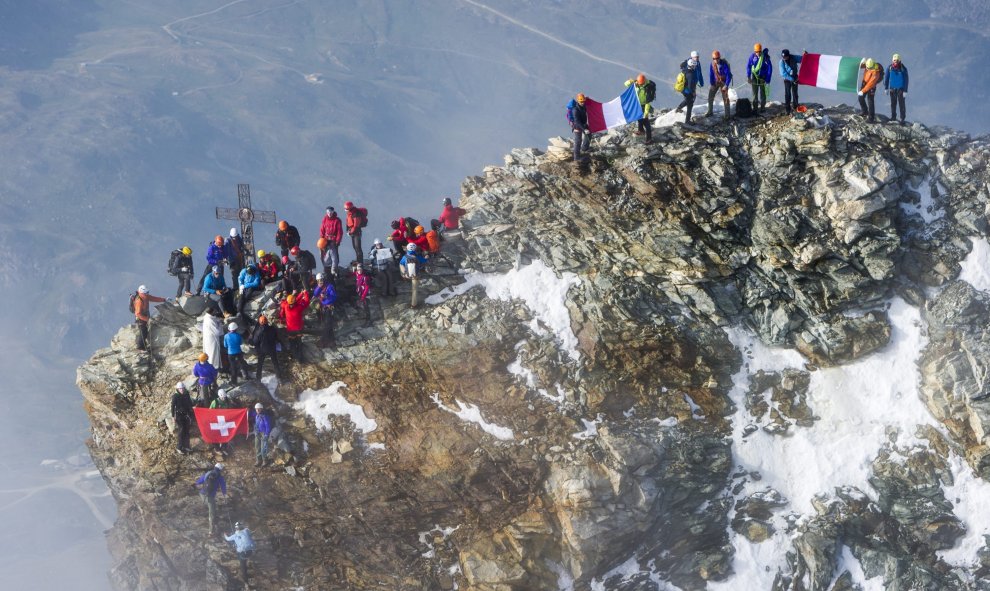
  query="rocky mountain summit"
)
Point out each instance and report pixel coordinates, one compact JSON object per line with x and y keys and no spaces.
{"x":591,"y":397}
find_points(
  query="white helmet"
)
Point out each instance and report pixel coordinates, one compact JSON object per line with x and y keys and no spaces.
{"x":222,"y":394}
{"x":319,"y":276}
{"x":411,"y":247}
{"x":180,"y":386}
{"x":142,"y":289}
{"x":218,"y":466}
{"x":259,"y":406}
{"x":232,"y":326}
{"x":378,"y":241}
{"x":233,"y":232}
{"x":694,"y":55}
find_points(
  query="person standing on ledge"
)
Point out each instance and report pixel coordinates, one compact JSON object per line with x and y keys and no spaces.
{"x":208,"y":484}
{"x":357,"y":218}
{"x":895,"y":83}
{"x":182,"y":414}
{"x":243,"y":545}
{"x":142,"y":314}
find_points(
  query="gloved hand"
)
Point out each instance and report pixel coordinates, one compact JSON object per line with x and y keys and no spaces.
{"x":905,"y":93}
{"x":860,"y":93}
{"x":885,"y":91}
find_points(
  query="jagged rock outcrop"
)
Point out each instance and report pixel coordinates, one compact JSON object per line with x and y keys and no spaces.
{"x":601,"y":374}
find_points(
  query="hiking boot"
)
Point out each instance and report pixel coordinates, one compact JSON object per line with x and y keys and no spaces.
{"x":180,"y":450}
{"x":679,"y":110}
{"x":647,"y":142}
{"x":257,"y":463}
{"x":637,"y":132}
{"x":903,"y":122}
{"x":709,"y":113}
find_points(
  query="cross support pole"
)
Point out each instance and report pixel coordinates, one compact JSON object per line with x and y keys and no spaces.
{"x":247,"y":216}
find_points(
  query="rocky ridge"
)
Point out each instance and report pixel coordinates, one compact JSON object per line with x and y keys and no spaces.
{"x":618,"y":471}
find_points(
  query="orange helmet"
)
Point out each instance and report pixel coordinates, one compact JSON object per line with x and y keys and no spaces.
{"x":580,"y":98}
{"x":283,"y":225}
{"x":716,"y":55}
{"x":291,"y":298}
{"x":321,"y":243}
{"x":418,"y":229}
{"x":262,"y":319}
{"x":641,"y":79}
{"x":757,"y":48}
{"x":203,"y":357}
{"x":218,"y":240}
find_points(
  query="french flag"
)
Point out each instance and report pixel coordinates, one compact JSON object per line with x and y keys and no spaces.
{"x":618,"y":111}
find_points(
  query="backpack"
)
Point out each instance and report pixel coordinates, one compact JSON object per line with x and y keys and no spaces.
{"x":173,"y":262}
{"x":744,"y":108}
{"x":680,"y":82}
{"x":570,"y":111}
{"x":210,"y":483}
{"x":363,"y":213}
{"x":131,"y":305}
{"x":651,"y":91}
{"x":432,"y":238}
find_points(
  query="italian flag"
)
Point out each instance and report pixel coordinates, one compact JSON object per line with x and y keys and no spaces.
{"x":829,"y":71}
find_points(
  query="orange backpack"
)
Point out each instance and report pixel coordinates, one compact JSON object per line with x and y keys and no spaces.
{"x":433,"y":240}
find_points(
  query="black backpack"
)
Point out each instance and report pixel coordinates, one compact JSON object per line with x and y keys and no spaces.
{"x":130,"y":305}
{"x":210,"y":482}
{"x":744,"y":108}
{"x":173,"y":262}
{"x":651,"y":91}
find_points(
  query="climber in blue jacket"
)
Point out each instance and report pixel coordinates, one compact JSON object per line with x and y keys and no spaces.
{"x":759,"y":70}
{"x":250,"y":283}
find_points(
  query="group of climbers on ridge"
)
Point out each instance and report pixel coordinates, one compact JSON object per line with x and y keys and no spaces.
{"x":759,"y":73}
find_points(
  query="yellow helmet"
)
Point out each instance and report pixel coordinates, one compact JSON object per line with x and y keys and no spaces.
{"x":870,"y":63}
{"x":186,"y":250}
{"x":291,"y":298}
{"x":261,"y":254}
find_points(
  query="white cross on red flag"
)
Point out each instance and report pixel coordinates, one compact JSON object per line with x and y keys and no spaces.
{"x":219,"y":425}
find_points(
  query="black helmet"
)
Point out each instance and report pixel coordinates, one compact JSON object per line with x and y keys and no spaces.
{"x":785,"y":52}
{"x":446,"y":200}
{"x":395,"y":224}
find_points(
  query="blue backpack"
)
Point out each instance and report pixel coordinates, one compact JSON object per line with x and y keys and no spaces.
{"x":570,"y":111}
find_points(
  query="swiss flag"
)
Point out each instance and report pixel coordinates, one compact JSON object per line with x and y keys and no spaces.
{"x":219,"y":425}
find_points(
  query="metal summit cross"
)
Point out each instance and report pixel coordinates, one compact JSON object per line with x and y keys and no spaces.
{"x":247,"y":217}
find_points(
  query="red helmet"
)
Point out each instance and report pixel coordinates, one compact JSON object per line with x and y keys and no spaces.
{"x":348,"y":205}
{"x":285,"y":260}
{"x":294,"y":251}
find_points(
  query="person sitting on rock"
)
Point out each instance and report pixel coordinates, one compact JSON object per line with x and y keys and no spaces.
{"x":208,"y":484}
{"x":142,"y":314}
{"x":262,"y":432}
{"x":325,"y":296}
{"x":450,"y":217}
{"x":218,"y":295}
{"x":184,"y":272}
{"x":206,"y":376}
{"x":235,"y":357}
{"x":305,"y":267}
{"x":292,"y":312}
{"x":420,"y":240}
{"x":223,"y":401}
{"x":383,"y":260}
{"x":250,"y":284}
{"x":286,"y":237}
{"x":398,"y":236}
{"x":265,"y":340}
{"x":243,"y":545}
{"x":182,"y":414}
{"x":215,"y":257}
{"x":268,"y":265}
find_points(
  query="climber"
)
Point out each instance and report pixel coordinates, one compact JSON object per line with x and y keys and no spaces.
{"x":182,"y":267}
{"x":292,"y":312}
{"x":759,"y":71}
{"x":208,"y":484}
{"x":326,"y":296}
{"x":332,"y":232}
{"x":646,"y":92}
{"x":223,"y":401}
{"x":269,"y":267}
{"x":218,"y":295}
{"x":719,"y":80}
{"x":362,"y":284}
{"x":789,"y":74}
{"x":383,"y":262}
{"x":237,"y":255}
{"x":304,"y":268}
{"x":141,"y":306}
{"x":691,"y":68}
{"x":233,"y":341}
{"x":265,"y":339}
{"x":398,"y":235}
{"x":262,"y":430}
{"x":243,"y":545}
{"x":286,"y":237}
{"x":207,"y":379}
{"x":357,"y":218}
{"x":872,"y":76}
{"x":420,"y":240}
{"x":215,"y":257}
{"x":409,"y":267}
{"x":182,"y":414}
{"x":895,"y":83}
{"x":450,"y":217}
{"x":577,"y":115}
{"x":250,"y":284}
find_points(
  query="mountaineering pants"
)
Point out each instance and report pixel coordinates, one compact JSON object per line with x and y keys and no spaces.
{"x":759,"y":94}
{"x":867,"y":104}
{"x":334,"y":249}
{"x":246,"y":294}
{"x":712,"y":90}
{"x":688,"y":105}
{"x":142,"y":339}
{"x":237,"y":367}
{"x":182,"y":423}
{"x":646,"y":126}
{"x":235,"y":272}
{"x":356,"y":243}
{"x":243,"y":558}
{"x":260,"y":447}
{"x":415,"y":286}
{"x":582,"y":141}
{"x":326,"y":326}
{"x":221,"y":301}
{"x":362,"y":305}
{"x":261,"y":361}
{"x":897,"y":98}
{"x":790,"y":91}
{"x":211,"y":509}
{"x":386,"y":279}
{"x":207,"y":393}
{"x":185,"y":284}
